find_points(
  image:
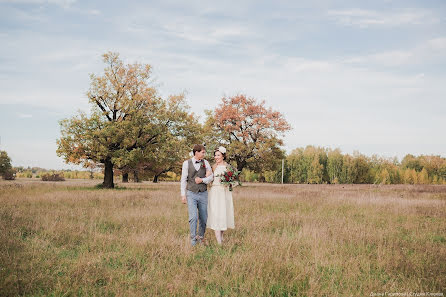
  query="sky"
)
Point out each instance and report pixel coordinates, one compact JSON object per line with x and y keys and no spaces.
{"x":367,"y":76}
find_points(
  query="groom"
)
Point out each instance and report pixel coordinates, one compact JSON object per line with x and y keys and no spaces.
{"x":195,"y":176}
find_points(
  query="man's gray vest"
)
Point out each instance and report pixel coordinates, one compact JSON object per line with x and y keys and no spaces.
{"x":192,"y":174}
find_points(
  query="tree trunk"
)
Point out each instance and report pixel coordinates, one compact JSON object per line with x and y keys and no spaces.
{"x":108,"y":174}
{"x":135,"y":176}
{"x":125,"y":177}
{"x":155,"y":178}
{"x":240,"y":165}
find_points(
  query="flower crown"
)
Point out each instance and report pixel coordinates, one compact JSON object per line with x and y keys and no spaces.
{"x":222,"y":150}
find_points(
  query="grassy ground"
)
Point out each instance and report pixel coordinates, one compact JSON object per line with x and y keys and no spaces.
{"x":71,"y":239}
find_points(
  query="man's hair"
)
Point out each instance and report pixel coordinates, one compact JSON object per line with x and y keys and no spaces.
{"x":198,"y":148}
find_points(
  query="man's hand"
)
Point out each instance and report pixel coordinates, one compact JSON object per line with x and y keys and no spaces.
{"x":183,"y":199}
{"x":198,"y":180}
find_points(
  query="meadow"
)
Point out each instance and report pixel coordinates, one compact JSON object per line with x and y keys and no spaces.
{"x":72,"y":239}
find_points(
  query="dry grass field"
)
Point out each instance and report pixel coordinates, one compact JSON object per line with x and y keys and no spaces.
{"x":71,"y":239}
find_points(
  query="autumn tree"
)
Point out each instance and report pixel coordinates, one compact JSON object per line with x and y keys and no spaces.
{"x":410,"y":176}
{"x":251,"y":131}
{"x":383,"y":177}
{"x":127,"y":118}
{"x":423,"y":177}
{"x":310,"y":164}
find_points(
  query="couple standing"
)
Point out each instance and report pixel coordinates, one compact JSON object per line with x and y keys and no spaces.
{"x":215,"y":211}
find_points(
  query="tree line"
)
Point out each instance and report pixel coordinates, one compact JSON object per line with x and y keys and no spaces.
{"x":318,"y":165}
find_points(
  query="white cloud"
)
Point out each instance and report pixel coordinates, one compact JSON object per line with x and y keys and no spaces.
{"x":368,"y":18}
{"x":206,"y":34}
{"x":94,"y":12}
{"x":430,"y":51}
{"x":63,"y":3}
{"x":438,"y":44}
{"x":24,"y":115}
{"x":388,"y":58}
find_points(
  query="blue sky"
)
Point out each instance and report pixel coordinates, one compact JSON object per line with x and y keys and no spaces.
{"x":358,"y":75}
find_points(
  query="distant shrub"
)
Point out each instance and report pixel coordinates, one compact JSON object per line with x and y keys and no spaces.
{"x":9,"y":174}
{"x":53,"y":177}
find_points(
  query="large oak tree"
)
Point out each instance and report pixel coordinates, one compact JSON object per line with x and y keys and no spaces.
{"x":128,"y":119}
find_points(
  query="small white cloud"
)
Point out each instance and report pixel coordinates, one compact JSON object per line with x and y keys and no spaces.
{"x":63,"y":3}
{"x":368,"y":18}
{"x":24,"y":115}
{"x":438,"y":43}
{"x":430,"y":51}
{"x":94,"y":12}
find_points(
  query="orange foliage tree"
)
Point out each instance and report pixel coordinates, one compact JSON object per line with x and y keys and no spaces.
{"x":251,"y":132}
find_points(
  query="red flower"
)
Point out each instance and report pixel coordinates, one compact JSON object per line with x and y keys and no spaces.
{"x":227,"y":178}
{"x":230,"y":173}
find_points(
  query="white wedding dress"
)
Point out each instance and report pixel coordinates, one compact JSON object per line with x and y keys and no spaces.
{"x":220,"y":205}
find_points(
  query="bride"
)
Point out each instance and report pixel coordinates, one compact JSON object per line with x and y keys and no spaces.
{"x":220,"y":205}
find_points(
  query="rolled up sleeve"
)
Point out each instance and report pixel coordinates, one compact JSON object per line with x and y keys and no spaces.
{"x":210,"y":178}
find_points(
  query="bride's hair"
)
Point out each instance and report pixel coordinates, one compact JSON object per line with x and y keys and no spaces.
{"x":224,"y":155}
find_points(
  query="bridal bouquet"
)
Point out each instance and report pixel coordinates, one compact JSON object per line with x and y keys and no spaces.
{"x":230,"y":177}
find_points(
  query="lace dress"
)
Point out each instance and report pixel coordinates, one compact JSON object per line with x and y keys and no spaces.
{"x":220,"y":205}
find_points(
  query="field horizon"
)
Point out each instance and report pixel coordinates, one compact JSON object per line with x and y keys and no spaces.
{"x":72,"y":239}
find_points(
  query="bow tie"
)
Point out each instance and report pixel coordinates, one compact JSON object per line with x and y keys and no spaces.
{"x":197,"y":162}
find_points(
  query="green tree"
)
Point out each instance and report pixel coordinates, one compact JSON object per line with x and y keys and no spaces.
{"x":5,"y":162}
{"x":349,"y":170}
{"x":316,"y":171}
{"x":334,"y":166}
{"x":6,"y":170}
{"x":299,"y":165}
{"x":307,"y":165}
{"x":411,"y":162}
{"x":182,"y":131}
{"x":362,"y":169}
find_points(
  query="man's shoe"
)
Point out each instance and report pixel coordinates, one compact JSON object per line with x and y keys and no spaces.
{"x":201,"y":240}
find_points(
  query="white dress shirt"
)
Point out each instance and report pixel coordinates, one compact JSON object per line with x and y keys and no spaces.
{"x":185,"y":172}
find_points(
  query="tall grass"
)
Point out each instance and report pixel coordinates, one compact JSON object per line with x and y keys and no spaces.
{"x":71,"y":239}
